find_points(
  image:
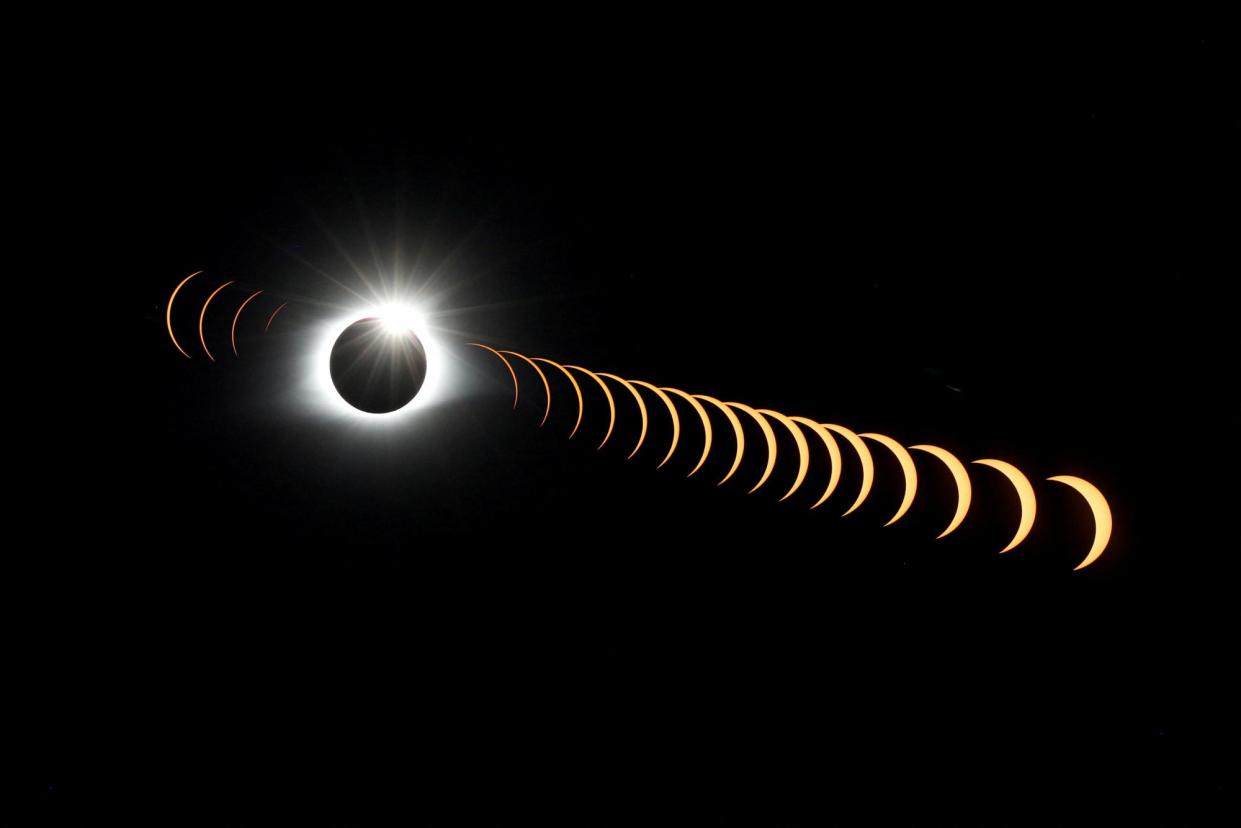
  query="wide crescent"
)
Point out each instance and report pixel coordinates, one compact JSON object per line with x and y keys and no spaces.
{"x":833,"y":453}
{"x":868,"y":463}
{"x":907,"y":469}
{"x":965,"y":492}
{"x":168,"y":312}
{"x":1102,"y":515}
{"x":706,"y":425}
{"x":1025,"y":494}
{"x":803,"y":450}
{"x":672,"y":411}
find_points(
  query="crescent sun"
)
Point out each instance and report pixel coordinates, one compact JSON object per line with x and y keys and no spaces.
{"x":607,"y":392}
{"x":507,"y":365}
{"x":907,"y":469}
{"x":641,"y":409}
{"x":1101,"y":511}
{"x":706,"y":425}
{"x":168,"y":312}
{"x":868,"y":463}
{"x":577,"y":389}
{"x":768,"y":434}
{"x":672,"y":411}
{"x":736,"y":424}
{"x":962,"y":479}
{"x":803,"y":450}
{"x":547,"y":389}
{"x":1025,"y":494}
{"x":833,"y":453}
{"x":202,"y":315}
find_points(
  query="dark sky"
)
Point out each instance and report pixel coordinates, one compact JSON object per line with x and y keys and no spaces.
{"x":1014,"y":249}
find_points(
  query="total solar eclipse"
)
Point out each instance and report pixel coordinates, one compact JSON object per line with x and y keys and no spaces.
{"x":378,"y":365}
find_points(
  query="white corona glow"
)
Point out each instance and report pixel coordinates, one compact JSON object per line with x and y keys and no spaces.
{"x":395,"y":317}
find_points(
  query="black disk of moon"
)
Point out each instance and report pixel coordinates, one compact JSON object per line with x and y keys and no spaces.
{"x":377,"y":368}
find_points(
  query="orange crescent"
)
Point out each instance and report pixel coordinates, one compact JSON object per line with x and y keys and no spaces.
{"x":803,"y":450}
{"x":203,"y":315}
{"x":868,"y":463}
{"x":641,"y":409}
{"x":672,"y":411}
{"x":1025,"y":494}
{"x":908,"y":469}
{"x":965,"y":491}
{"x":706,"y":425}
{"x":272,"y":318}
{"x":1099,"y":508}
{"x":768,"y":434}
{"x":607,"y":392}
{"x":833,"y":453}
{"x":547,"y":389}
{"x":168,"y":312}
{"x":232,"y":336}
{"x":577,"y":389}
{"x":507,"y":365}
{"x":736,"y":424}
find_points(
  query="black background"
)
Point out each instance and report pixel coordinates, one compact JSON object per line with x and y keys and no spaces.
{"x":1012,"y":247}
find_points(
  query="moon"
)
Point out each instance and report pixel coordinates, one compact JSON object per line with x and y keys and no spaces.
{"x":577,"y":389}
{"x":507,"y":365}
{"x":736,"y":424}
{"x":607,"y":392}
{"x":203,"y":315}
{"x":962,"y":479}
{"x":168,"y":312}
{"x":868,"y":463}
{"x":672,"y":411}
{"x":706,"y":425}
{"x":376,"y":369}
{"x":833,"y":453}
{"x":1025,"y":494}
{"x":907,"y":469}
{"x":803,"y":450}
{"x":1102,"y":515}
{"x":232,"y":336}
{"x":768,"y":434}
{"x":547,"y":389}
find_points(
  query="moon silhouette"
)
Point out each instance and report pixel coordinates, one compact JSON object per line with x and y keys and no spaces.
{"x":168,"y":312}
{"x":907,"y":469}
{"x":833,"y":453}
{"x":962,"y":479}
{"x":706,"y":425}
{"x":1101,"y":511}
{"x":376,"y":369}
{"x":1025,"y":494}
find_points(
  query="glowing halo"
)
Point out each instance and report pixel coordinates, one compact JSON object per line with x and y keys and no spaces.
{"x":577,"y":389}
{"x":232,"y":336}
{"x":547,"y":410}
{"x":168,"y":312}
{"x":803,"y":451}
{"x":961,"y":477}
{"x":907,"y":469}
{"x":736,"y":424}
{"x":672,"y":412}
{"x":507,"y":365}
{"x":1099,"y":508}
{"x":768,"y":434}
{"x":706,"y":425}
{"x":868,"y":463}
{"x":641,"y":409}
{"x":833,"y":453}
{"x":202,"y":315}
{"x":1025,"y":494}
{"x":607,"y":392}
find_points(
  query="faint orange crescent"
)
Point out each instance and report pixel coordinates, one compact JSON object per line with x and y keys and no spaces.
{"x":203,"y":315}
{"x":868,"y":463}
{"x":907,"y":469}
{"x":736,"y":424}
{"x":577,"y":389}
{"x":768,"y":434}
{"x":641,"y":409}
{"x":507,"y":365}
{"x":168,"y":312}
{"x":803,"y":450}
{"x":672,"y":411}
{"x":232,"y":336}
{"x":1025,"y":493}
{"x":547,"y":389}
{"x":965,"y":492}
{"x":833,"y":453}
{"x":607,"y":392}
{"x":1102,"y":515}
{"x":272,"y":318}
{"x":706,"y":425}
